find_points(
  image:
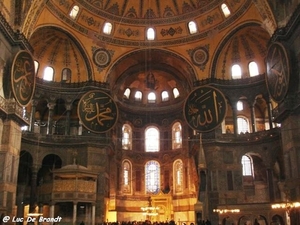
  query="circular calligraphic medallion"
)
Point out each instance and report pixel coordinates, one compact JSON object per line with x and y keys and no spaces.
{"x":97,"y":111}
{"x":205,"y":108}
{"x":278,"y":71}
{"x":200,"y":56}
{"x":23,"y":77}
{"x":101,"y":57}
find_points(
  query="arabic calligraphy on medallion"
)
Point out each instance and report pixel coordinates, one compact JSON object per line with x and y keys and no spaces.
{"x":23,"y":78}
{"x":97,"y":111}
{"x":205,"y":108}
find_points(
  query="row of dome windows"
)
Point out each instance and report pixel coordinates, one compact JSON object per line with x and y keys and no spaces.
{"x":236,"y":73}
{"x":138,"y":95}
{"x":150,"y":33}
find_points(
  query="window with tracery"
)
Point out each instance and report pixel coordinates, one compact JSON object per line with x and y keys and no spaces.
{"x":178,"y":175}
{"x":150,"y":34}
{"x":247,"y":166}
{"x":236,"y":72}
{"x":48,"y":73}
{"x":138,"y":96}
{"x":176,"y":136}
{"x":164,"y":96}
{"x":126,"y":176}
{"x":152,"y":141}
{"x":127,"y":93}
{"x":192,"y":27}
{"x":66,"y":74}
{"x":152,"y":176}
{"x":107,"y":28}
{"x":253,"y":69}
{"x":175,"y":92}
{"x":74,"y":11}
{"x":243,"y":124}
{"x":225,"y":10}
{"x":126,"y":137}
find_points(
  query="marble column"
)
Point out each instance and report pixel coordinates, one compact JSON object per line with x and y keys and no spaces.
{"x":33,"y":186}
{"x":32,"y":115}
{"x":74,"y":212}
{"x":68,"y":120}
{"x":50,"y":119}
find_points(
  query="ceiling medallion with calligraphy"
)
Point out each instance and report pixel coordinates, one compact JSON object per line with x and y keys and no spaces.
{"x":23,"y":77}
{"x":97,"y":111}
{"x":205,"y":108}
{"x":278,"y":71}
{"x":101,"y":57}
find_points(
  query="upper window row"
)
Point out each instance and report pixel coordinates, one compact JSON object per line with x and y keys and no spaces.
{"x":236,"y":70}
{"x":150,"y":33}
{"x":138,"y":95}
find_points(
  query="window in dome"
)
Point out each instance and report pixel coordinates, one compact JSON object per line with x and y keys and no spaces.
{"x":243,"y":125}
{"x":138,"y":95}
{"x":48,"y":73}
{"x":152,"y":176}
{"x":164,"y":96}
{"x":36,"y":66}
{"x":253,"y":69}
{"x":175,"y":92}
{"x":240,"y":106}
{"x":126,"y":176}
{"x":178,"y":174}
{"x":176,"y":136}
{"x":150,"y":34}
{"x":192,"y":27}
{"x":107,"y":28}
{"x":126,"y":137}
{"x":236,"y":72}
{"x":247,"y":165}
{"x":66,"y":74}
{"x":127,"y":93}
{"x":151,"y":97}
{"x":152,"y":139}
{"x":225,"y":10}
{"x":74,"y":12}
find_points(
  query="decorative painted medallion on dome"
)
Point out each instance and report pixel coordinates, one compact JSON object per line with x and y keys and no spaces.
{"x":97,"y":111}
{"x":101,"y":57}
{"x":200,"y":56}
{"x":23,"y":77}
{"x":278,"y":71}
{"x":205,"y":108}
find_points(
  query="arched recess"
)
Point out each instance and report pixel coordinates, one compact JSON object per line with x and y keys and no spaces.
{"x":49,"y":163}
{"x":56,"y":47}
{"x":246,"y":43}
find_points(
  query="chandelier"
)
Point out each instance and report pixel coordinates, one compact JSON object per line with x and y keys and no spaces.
{"x":150,"y":210}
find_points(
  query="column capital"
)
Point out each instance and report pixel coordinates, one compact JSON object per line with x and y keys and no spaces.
{"x":51,"y":105}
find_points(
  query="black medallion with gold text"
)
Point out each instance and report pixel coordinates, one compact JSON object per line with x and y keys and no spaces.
{"x":23,"y":77}
{"x":278,"y":71}
{"x":205,"y":108}
{"x":97,"y":111}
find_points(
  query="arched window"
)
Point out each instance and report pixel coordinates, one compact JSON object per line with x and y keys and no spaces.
{"x":48,"y":73}
{"x":127,"y":93}
{"x":236,"y":72}
{"x":138,"y":96}
{"x":178,"y":175}
{"x":175,"y":92}
{"x":192,"y":27}
{"x":151,"y":97}
{"x":176,"y":136}
{"x":74,"y":11}
{"x":66,"y":75}
{"x":247,"y":165}
{"x":152,"y":176}
{"x":243,"y":125}
{"x":150,"y":34}
{"x":164,"y":96}
{"x":253,"y":69}
{"x":126,"y":137}
{"x":36,"y":66}
{"x":126,"y":176}
{"x":152,"y":139}
{"x":225,"y":10}
{"x":240,"y":106}
{"x":107,"y":28}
